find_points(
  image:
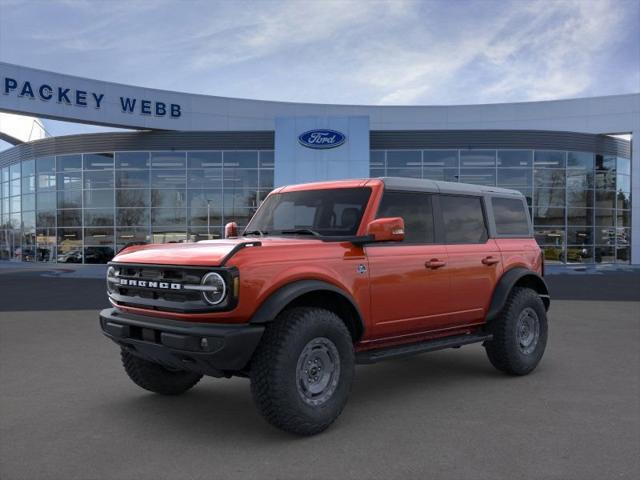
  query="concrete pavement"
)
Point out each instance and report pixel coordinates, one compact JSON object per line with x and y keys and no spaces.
{"x":68,"y":411}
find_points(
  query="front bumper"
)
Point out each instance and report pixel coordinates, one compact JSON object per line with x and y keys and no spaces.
{"x":210,"y":349}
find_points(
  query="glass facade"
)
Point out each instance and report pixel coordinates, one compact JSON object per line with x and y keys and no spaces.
{"x":82,"y":208}
{"x":580,"y":202}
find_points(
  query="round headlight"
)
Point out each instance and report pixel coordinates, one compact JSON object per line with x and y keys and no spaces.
{"x":214,"y":289}
{"x":111,"y":279}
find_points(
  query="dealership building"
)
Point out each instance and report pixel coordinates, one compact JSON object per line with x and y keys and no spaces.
{"x":189,"y":163}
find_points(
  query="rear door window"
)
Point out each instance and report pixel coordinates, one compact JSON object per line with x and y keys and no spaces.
{"x":415,"y":209}
{"x":463,"y":219}
{"x":511,"y":216}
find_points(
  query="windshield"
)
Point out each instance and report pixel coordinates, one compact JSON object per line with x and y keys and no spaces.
{"x":327,"y":212}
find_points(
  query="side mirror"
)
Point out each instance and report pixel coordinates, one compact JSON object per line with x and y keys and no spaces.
{"x":386,"y":229}
{"x":231,"y":230}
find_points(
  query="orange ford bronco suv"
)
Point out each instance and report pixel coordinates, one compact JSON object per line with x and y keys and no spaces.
{"x":327,"y":275}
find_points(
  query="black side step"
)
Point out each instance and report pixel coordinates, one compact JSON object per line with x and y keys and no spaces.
{"x":373,"y":356}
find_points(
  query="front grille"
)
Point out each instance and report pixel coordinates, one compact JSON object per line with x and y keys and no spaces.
{"x":150,"y":287}
{"x":161,"y":275}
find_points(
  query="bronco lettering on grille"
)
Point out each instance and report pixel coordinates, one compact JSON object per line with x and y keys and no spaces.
{"x":148,"y":284}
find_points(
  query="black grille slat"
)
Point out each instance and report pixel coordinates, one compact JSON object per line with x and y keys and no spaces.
{"x":158,"y":275}
{"x":163,"y":294}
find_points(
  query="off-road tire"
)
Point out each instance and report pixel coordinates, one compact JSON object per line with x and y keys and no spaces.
{"x":156,"y":378}
{"x":275,"y":383}
{"x":505,"y":350}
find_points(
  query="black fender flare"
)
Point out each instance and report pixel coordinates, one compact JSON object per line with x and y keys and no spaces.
{"x":506,"y":284}
{"x":282,"y":297}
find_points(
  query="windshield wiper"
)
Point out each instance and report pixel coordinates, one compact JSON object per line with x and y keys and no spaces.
{"x":301,"y":231}
{"x":255,"y":232}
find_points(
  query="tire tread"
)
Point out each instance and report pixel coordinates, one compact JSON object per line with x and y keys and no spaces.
{"x":155,"y":377}
{"x":501,"y":350}
{"x":268,"y":389}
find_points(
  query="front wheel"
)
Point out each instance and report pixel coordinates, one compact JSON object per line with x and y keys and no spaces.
{"x":519,"y":333}
{"x":302,"y":371}
{"x":156,"y":378}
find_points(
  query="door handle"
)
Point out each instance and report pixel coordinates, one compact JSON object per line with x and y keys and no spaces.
{"x":490,"y":260}
{"x":434,"y":263}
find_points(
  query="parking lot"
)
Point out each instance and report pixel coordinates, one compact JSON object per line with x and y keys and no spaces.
{"x":67,"y":410}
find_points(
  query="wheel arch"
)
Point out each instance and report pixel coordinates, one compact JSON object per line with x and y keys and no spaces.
{"x":516,"y":277}
{"x":316,"y":293}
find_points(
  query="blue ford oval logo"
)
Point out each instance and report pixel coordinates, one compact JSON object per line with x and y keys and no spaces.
{"x":322,"y":138}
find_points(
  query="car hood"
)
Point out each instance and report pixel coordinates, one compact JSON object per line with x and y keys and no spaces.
{"x":206,"y":253}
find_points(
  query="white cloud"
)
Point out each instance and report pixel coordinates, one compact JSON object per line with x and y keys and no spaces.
{"x":534,"y":51}
{"x":386,"y":51}
{"x":285,"y":26}
{"x":553,"y":56}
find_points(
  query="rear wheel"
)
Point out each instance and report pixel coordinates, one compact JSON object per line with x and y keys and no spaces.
{"x":519,"y":333}
{"x":302,"y":371}
{"x":156,"y":378}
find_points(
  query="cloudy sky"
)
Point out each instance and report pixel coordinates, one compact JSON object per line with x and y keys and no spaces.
{"x":336,"y":51}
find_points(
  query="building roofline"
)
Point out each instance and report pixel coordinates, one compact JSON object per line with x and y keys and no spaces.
{"x":318,"y":104}
{"x":195,"y":111}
